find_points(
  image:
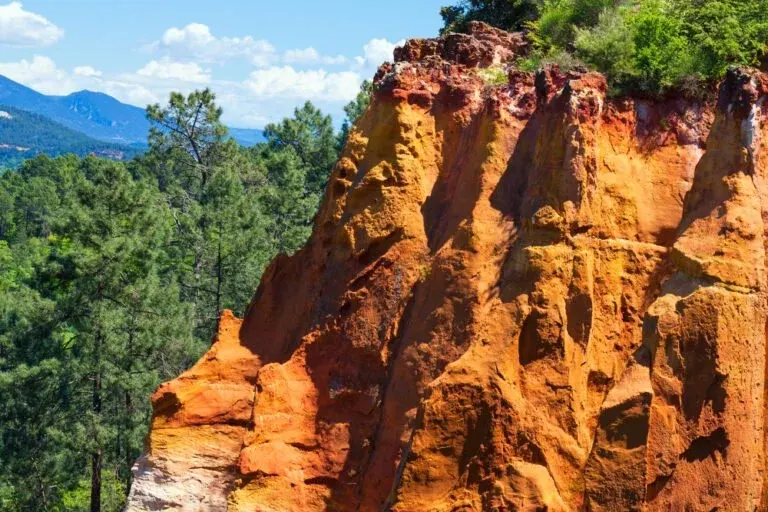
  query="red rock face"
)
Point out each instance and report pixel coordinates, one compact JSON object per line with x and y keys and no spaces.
{"x":516,"y":297}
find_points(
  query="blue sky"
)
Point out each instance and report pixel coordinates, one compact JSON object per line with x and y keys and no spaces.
{"x":261,"y":58}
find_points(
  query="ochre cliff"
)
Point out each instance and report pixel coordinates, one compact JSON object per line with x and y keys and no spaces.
{"x":519,"y":296}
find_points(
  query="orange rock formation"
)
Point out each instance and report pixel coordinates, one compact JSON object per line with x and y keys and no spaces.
{"x":516,"y":297}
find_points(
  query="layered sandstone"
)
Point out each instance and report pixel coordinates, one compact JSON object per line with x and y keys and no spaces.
{"x":527,"y":296}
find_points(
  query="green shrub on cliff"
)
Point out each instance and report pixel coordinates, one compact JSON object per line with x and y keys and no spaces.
{"x":645,"y":46}
{"x":640,"y":48}
{"x":494,"y":75}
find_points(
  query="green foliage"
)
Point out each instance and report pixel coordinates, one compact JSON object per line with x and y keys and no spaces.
{"x":91,"y":321}
{"x":640,"y":47}
{"x":723,"y":32}
{"x":507,"y":14}
{"x":112,"y":277}
{"x":192,"y":124}
{"x":662,"y":55}
{"x":357,"y":107}
{"x":494,"y":75}
{"x":559,"y":20}
{"x":113,"y":494}
{"x":310,"y":133}
{"x":290,"y":198}
{"x":607,"y":46}
{"x":645,"y":46}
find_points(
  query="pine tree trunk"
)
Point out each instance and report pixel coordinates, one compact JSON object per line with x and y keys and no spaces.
{"x":96,"y":455}
{"x":219,"y":275}
{"x":96,"y":481}
{"x":127,"y":423}
{"x":128,"y":455}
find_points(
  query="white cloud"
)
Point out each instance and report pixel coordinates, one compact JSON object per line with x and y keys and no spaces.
{"x":131,"y":92}
{"x":285,"y":81}
{"x":378,"y":51}
{"x":23,"y":28}
{"x":40,"y":73}
{"x":167,"y":69}
{"x":311,"y":56}
{"x":87,"y":71}
{"x":195,"y":41}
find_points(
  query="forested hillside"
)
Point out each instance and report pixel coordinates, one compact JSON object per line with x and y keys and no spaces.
{"x":93,"y":114}
{"x":113,"y":275}
{"x":24,"y":135}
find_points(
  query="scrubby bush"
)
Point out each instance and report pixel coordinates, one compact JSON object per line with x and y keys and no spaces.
{"x":559,"y":21}
{"x":606,"y":46}
{"x":495,"y":75}
{"x":724,"y":32}
{"x":663,"y":56}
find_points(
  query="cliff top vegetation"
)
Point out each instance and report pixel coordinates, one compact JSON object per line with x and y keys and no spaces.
{"x":642,"y":46}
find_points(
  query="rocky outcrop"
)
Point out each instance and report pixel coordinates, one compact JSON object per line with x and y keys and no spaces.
{"x":527,"y":296}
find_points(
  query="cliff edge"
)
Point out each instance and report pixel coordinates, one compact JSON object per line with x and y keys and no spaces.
{"x":520,"y":294}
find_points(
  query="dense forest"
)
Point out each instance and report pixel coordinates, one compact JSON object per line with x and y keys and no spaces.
{"x":113,"y":275}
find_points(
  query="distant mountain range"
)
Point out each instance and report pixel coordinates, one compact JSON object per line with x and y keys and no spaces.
{"x":95,"y":114}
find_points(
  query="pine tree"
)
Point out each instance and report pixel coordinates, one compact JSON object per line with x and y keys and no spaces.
{"x":310,"y":133}
{"x":107,"y":325}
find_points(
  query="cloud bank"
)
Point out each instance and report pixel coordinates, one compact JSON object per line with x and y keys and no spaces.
{"x":27,"y":29}
{"x":195,"y":41}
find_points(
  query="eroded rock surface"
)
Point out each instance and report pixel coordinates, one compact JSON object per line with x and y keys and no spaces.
{"x":516,"y":297}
